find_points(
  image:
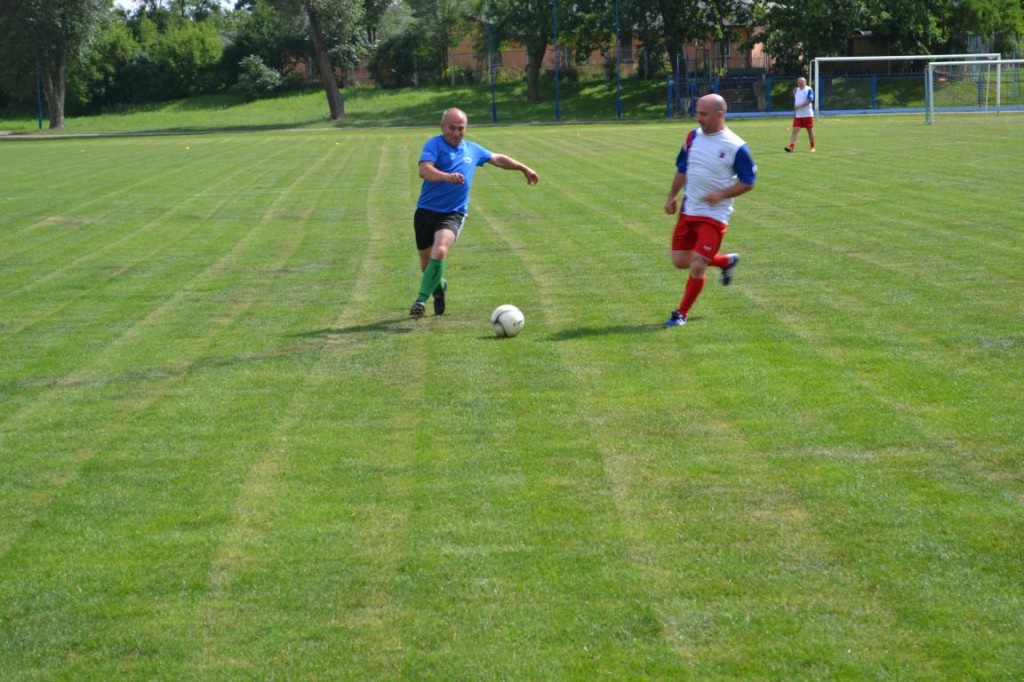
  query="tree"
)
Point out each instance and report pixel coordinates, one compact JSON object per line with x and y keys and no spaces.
{"x":262,"y":30}
{"x":797,"y":31}
{"x":583,"y":25}
{"x":189,"y":9}
{"x":671,"y":24}
{"x":530,"y":22}
{"x":375,"y":17}
{"x":186,"y":55}
{"x":98,"y":79}
{"x":987,"y":19}
{"x":906,"y":26}
{"x":591,"y":26}
{"x":175,"y":57}
{"x":441,"y":24}
{"x":47,"y":37}
{"x":329,"y":23}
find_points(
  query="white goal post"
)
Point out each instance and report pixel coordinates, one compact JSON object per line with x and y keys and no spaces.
{"x":972,"y":87}
{"x":818,"y":61}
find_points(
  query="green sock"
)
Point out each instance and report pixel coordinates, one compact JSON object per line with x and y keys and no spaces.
{"x":432,"y":277}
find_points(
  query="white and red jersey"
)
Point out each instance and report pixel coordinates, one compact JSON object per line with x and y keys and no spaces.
{"x":711,"y":163}
{"x":806,"y":95}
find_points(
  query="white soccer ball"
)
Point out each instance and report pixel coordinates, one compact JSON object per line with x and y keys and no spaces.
{"x":507,"y":320}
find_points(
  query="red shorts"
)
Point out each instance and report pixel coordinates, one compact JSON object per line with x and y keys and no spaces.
{"x":701,"y":235}
{"x":803,"y":122}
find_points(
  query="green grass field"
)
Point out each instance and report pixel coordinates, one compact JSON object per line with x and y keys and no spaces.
{"x":226,"y":452}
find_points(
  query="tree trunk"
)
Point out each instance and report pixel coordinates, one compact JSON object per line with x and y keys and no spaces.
{"x":54,"y":87}
{"x":335,"y":101}
{"x":533,"y":68}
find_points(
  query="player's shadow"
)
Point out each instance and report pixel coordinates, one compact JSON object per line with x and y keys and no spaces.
{"x":586,"y":332}
{"x":393,"y":326}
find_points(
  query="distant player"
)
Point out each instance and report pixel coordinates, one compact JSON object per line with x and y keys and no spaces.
{"x":803,"y":113}
{"x":715,"y":166}
{"x":447,"y":164}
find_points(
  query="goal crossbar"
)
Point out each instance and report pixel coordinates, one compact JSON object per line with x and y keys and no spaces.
{"x":817,"y":61}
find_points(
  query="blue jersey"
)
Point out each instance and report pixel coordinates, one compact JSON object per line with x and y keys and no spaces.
{"x":445,"y":197}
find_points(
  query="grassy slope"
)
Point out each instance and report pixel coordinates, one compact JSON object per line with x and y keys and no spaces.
{"x":370,"y":107}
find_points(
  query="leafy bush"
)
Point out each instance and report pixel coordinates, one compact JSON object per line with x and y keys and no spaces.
{"x":256,"y":79}
{"x":96,"y":81}
{"x":185,"y":57}
{"x":508,"y":74}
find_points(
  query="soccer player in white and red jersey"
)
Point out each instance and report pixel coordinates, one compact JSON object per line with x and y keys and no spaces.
{"x":803,"y":113}
{"x":715,"y":166}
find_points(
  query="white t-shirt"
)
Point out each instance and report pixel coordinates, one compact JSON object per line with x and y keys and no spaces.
{"x":712,"y":163}
{"x":804,"y":94}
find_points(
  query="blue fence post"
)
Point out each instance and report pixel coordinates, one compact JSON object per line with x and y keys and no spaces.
{"x":490,"y":67}
{"x":768,"y":93}
{"x":874,"y":91}
{"x":618,"y":66}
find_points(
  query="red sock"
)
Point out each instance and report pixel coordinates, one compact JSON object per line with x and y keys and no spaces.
{"x":693,"y":288}
{"x":721,"y":260}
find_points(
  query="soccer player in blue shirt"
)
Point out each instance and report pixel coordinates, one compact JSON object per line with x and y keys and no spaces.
{"x":715,"y":166}
{"x":447,"y":164}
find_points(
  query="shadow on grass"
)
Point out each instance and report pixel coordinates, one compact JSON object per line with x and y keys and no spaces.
{"x":156,"y":373}
{"x":393,"y":326}
{"x":233,"y":128}
{"x":584,"y":332}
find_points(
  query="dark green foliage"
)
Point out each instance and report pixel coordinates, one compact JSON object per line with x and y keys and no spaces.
{"x":797,"y":31}
{"x":181,"y":59}
{"x":277,"y":38}
{"x":402,"y":61}
{"x":98,"y":80}
{"x":256,"y":79}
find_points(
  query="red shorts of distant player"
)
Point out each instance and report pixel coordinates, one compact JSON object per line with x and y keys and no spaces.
{"x":701,"y":235}
{"x":803,"y":122}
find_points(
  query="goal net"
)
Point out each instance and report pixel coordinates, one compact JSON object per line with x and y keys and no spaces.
{"x":967,"y":88}
{"x":876,"y":84}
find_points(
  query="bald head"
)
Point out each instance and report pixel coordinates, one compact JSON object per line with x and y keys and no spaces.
{"x":453,"y":113}
{"x":711,"y":113}
{"x":714,"y":102}
{"x":453,"y":126}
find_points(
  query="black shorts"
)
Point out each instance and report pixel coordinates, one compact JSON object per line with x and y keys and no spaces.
{"x":428,"y":222}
